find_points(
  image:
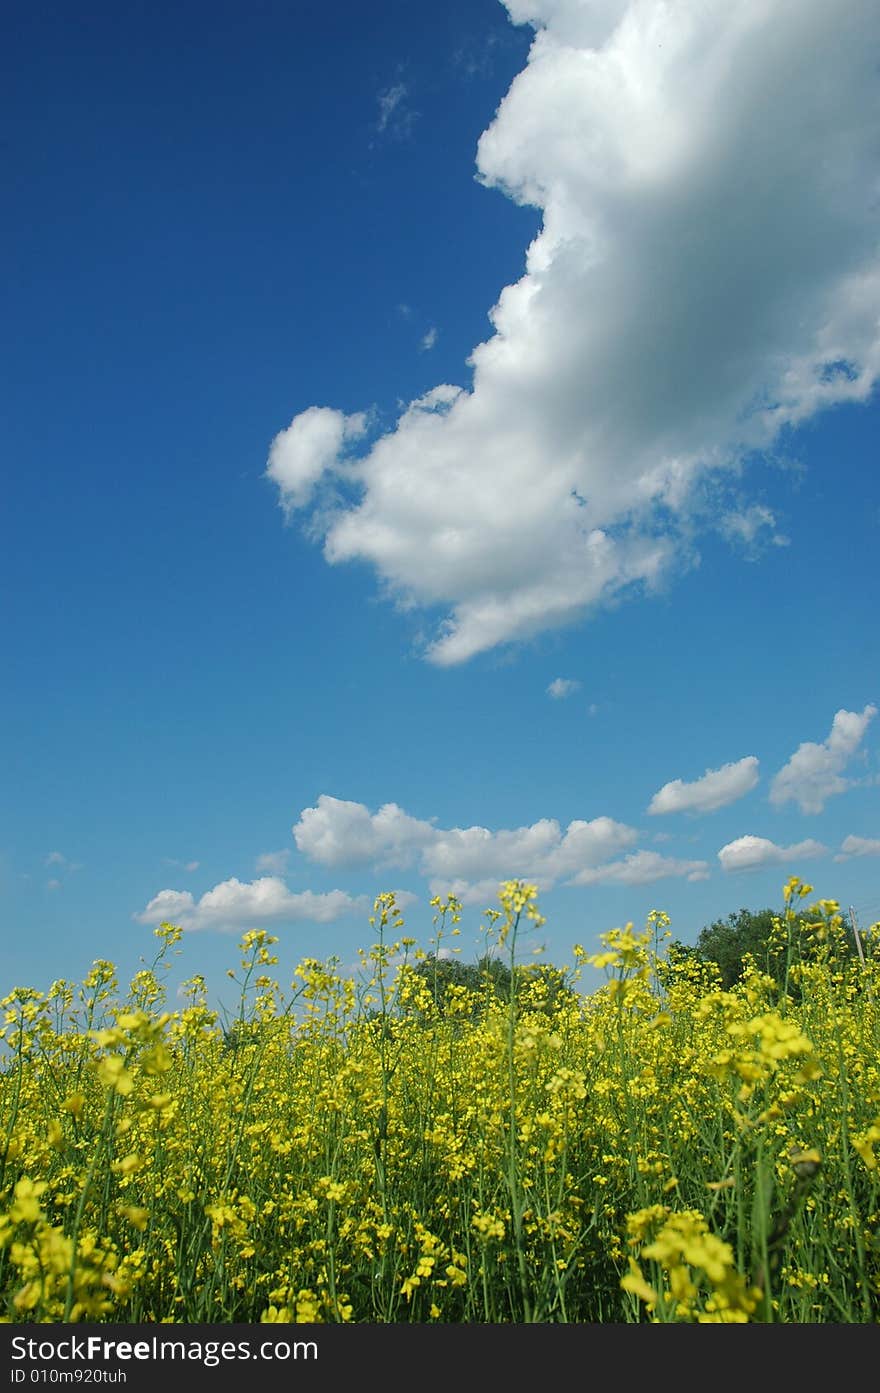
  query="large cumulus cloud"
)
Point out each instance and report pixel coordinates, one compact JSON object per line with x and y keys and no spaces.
{"x":706,"y":275}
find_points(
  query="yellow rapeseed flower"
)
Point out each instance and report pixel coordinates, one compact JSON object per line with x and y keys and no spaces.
{"x":113,"y":1074}
{"x":26,"y":1206}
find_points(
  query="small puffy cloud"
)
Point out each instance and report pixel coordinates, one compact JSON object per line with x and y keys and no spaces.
{"x":234,"y":905}
{"x":858,"y":846}
{"x":312,"y":445}
{"x":748,"y":853}
{"x":340,"y":833}
{"x":273,"y":862}
{"x":813,"y":774}
{"x":715,"y":789}
{"x":641,"y":868}
{"x":562,"y":687}
{"x":706,"y":277}
{"x":168,"y":907}
{"x":428,"y":340}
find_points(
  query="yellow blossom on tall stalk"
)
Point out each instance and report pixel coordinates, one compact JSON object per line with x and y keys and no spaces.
{"x":695,"y":1274}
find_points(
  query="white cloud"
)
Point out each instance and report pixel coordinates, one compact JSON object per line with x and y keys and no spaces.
{"x":858,"y":846}
{"x":482,"y":893}
{"x":641,"y":868}
{"x":813,"y":774}
{"x":428,"y":340}
{"x":235,"y":904}
{"x":562,"y":687}
{"x":541,"y":852}
{"x":395,"y":118}
{"x":299,"y":455}
{"x":168,"y":907}
{"x":339,"y":833}
{"x":389,"y":101}
{"x":715,"y":789}
{"x":747,"y":853}
{"x":750,"y":527}
{"x":705,"y":276}
{"x":273,"y":862}
{"x":58,"y":859}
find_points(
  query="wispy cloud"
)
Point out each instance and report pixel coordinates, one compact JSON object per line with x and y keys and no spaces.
{"x":63,"y":863}
{"x":562,"y":687}
{"x":706,"y":276}
{"x":428,"y":340}
{"x":475,"y":56}
{"x":858,"y":846}
{"x":814,"y":772}
{"x":273,"y":862}
{"x":716,"y":789}
{"x":752,"y":528}
{"x":396,"y":118}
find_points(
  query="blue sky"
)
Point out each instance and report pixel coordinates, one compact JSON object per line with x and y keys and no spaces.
{"x":440,"y":447}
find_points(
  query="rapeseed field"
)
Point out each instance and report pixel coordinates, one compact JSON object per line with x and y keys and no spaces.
{"x":373,"y":1149}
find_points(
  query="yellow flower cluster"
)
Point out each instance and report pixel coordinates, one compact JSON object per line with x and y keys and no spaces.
{"x":697,"y":1277}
